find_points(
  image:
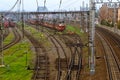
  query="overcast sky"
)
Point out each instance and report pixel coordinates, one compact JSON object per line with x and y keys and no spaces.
{"x":30,"y":5}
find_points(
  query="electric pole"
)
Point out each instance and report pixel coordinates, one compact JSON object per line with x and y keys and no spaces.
{"x":1,"y":43}
{"x":92,"y":4}
{"x":92,"y":36}
{"x":22,"y":18}
{"x":115,"y":23}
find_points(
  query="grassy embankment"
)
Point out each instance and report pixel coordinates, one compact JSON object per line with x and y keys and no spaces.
{"x":15,"y":61}
{"x":73,"y":29}
{"x":9,"y":38}
{"x":40,"y":36}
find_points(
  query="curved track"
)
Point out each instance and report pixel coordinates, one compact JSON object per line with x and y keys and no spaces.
{"x":62,"y":57}
{"x":101,"y":48}
{"x":41,"y":70}
{"x":61,"y":54}
{"x":17,"y":38}
{"x":109,"y":42}
{"x":75,"y":65}
{"x":5,"y":34}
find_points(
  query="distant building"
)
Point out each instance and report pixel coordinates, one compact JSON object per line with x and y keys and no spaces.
{"x":107,"y":13}
{"x":42,"y":9}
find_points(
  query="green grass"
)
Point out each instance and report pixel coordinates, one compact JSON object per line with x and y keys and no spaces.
{"x":8,"y":39}
{"x":38,"y":35}
{"x":15,"y":62}
{"x":73,"y":29}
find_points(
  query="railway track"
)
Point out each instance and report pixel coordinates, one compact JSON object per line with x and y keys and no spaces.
{"x":112,"y":60}
{"x":61,"y":75}
{"x":5,"y":34}
{"x":41,"y":70}
{"x":102,"y":49}
{"x":62,"y":57}
{"x":114,"y":41}
{"x":16,"y":39}
{"x":76,"y":54}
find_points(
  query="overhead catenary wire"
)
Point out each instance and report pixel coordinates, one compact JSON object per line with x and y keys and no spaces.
{"x":60,"y":4}
{"x":13,"y":6}
{"x":18,"y":9}
{"x":19,"y":4}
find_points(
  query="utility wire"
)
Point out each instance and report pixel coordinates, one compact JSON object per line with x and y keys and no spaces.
{"x":2,"y":55}
{"x":37,"y":4}
{"x":7,"y":12}
{"x":13,"y":6}
{"x":19,"y":6}
{"x":18,"y":9}
{"x":60,"y":4}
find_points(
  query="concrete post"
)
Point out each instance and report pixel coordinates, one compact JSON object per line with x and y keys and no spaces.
{"x":92,"y":36}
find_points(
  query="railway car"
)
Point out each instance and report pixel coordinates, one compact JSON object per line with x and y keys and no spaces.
{"x":61,"y":26}
{"x":33,"y":21}
{"x":6,"y":24}
{"x":9,"y":24}
{"x":53,"y":25}
{"x":58,"y":27}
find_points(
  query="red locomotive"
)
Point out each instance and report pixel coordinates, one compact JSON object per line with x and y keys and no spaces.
{"x":61,"y":26}
{"x":11,"y":24}
{"x":58,"y":27}
{"x":8,"y":23}
{"x":53,"y":25}
{"x":33,"y":21}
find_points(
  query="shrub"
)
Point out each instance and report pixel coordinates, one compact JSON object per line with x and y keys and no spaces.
{"x":107,"y":23}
